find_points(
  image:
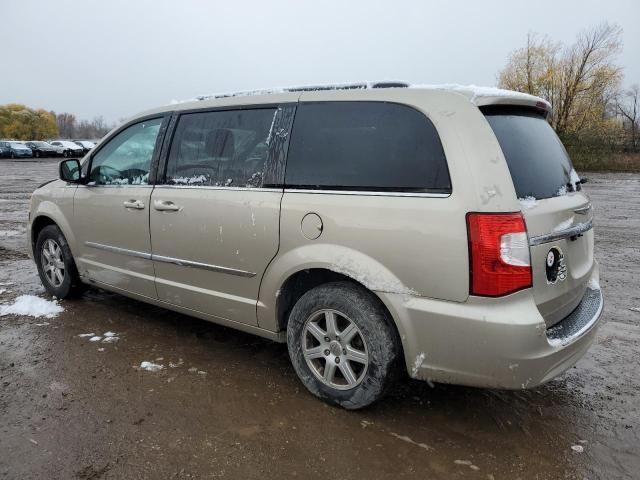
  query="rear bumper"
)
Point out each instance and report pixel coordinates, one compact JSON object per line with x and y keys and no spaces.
{"x":494,"y":343}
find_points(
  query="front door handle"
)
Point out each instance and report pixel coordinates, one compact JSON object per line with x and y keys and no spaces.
{"x":137,"y":204}
{"x":165,"y":206}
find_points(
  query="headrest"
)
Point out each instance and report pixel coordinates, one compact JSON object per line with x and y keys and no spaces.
{"x":219,"y":143}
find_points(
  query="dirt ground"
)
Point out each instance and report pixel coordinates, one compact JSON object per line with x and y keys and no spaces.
{"x":228,"y":405}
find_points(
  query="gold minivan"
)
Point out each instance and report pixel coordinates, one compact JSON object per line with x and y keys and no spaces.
{"x":374,"y":228}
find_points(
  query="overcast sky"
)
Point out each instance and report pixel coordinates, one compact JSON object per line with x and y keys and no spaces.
{"x":117,"y":57}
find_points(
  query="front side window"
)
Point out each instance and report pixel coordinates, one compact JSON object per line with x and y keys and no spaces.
{"x":126,"y":158}
{"x":224,"y":148}
{"x":365,"y":146}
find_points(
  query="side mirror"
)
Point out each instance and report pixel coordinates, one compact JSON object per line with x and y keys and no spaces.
{"x":70,"y":170}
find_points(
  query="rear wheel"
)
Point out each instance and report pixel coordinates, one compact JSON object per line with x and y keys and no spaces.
{"x":343,"y":345}
{"x":65,"y":154}
{"x":55,"y":263}
{"x":37,"y":154}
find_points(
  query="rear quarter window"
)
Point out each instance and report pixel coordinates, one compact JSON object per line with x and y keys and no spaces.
{"x":538,"y":162}
{"x":370,"y":146}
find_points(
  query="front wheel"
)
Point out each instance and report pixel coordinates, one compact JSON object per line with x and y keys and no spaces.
{"x":343,"y":345}
{"x":56,"y":267}
{"x":37,"y":155}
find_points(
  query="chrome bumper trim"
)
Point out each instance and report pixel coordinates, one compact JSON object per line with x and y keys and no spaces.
{"x":574,"y":231}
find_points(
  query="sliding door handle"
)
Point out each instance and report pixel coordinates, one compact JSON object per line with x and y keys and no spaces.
{"x":166,"y":206}
{"x":135,"y":204}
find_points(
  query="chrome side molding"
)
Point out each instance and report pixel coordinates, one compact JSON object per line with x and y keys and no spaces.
{"x":121,"y":251}
{"x":203,"y":266}
{"x":573,"y":231}
{"x":175,"y":261}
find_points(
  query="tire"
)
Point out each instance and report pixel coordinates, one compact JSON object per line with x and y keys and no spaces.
{"x":13,"y":155}
{"x":376,"y":338}
{"x":65,"y":154}
{"x":67,"y":283}
{"x":37,"y":154}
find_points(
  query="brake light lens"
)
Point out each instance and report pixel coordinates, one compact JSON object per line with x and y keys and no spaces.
{"x":499,"y":261}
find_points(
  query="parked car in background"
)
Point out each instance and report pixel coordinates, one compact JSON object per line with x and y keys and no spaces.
{"x":69,"y":149}
{"x":13,"y":149}
{"x":4,"y":149}
{"x":44,"y":149}
{"x":85,"y":144}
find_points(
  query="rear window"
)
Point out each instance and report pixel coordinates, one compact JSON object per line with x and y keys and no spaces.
{"x":537,"y":160}
{"x":371,"y":146}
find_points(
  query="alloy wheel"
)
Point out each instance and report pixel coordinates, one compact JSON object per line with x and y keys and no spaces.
{"x":53,"y":262}
{"x":334,"y":349}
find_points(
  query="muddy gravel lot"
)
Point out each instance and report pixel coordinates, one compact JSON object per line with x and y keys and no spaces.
{"x":228,"y":405}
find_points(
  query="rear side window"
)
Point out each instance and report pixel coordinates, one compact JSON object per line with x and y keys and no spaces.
{"x":222,"y":148}
{"x":537,"y":160}
{"x":371,"y":146}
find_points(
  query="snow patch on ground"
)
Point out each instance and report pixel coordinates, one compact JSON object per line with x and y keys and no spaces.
{"x":577,"y":448}
{"x":97,"y":338}
{"x":151,"y":367}
{"x":32,"y":306}
{"x":404,"y":438}
{"x":176,"y":365}
{"x":528,"y":202}
{"x":84,"y":335}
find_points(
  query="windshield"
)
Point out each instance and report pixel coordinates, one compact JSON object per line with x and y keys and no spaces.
{"x":537,"y":160}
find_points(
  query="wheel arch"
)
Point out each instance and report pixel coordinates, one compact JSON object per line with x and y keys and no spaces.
{"x":301,"y":281}
{"x":49,"y":214}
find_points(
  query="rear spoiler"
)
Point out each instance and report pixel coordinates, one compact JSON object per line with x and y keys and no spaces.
{"x":519,"y":100}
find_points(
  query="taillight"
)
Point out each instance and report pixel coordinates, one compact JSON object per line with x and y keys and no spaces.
{"x":499,"y":261}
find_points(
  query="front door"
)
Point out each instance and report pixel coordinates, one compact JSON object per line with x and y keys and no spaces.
{"x":111,"y":212}
{"x":215,"y":219}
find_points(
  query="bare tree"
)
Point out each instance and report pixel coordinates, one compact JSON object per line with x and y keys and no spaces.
{"x":587,"y":71}
{"x":628,"y":107}
{"x":66,"y":124}
{"x":579,"y":81}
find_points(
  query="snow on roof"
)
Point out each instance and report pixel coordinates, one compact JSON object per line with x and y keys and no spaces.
{"x":474,"y":92}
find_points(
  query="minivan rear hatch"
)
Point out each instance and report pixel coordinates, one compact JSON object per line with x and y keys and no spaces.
{"x":557,"y":212}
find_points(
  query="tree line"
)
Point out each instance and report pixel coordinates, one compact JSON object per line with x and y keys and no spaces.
{"x":20,"y":122}
{"x":596,"y":117}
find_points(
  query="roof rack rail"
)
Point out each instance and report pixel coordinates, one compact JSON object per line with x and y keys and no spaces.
{"x":311,"y":88}
{"x":348,"y":86}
